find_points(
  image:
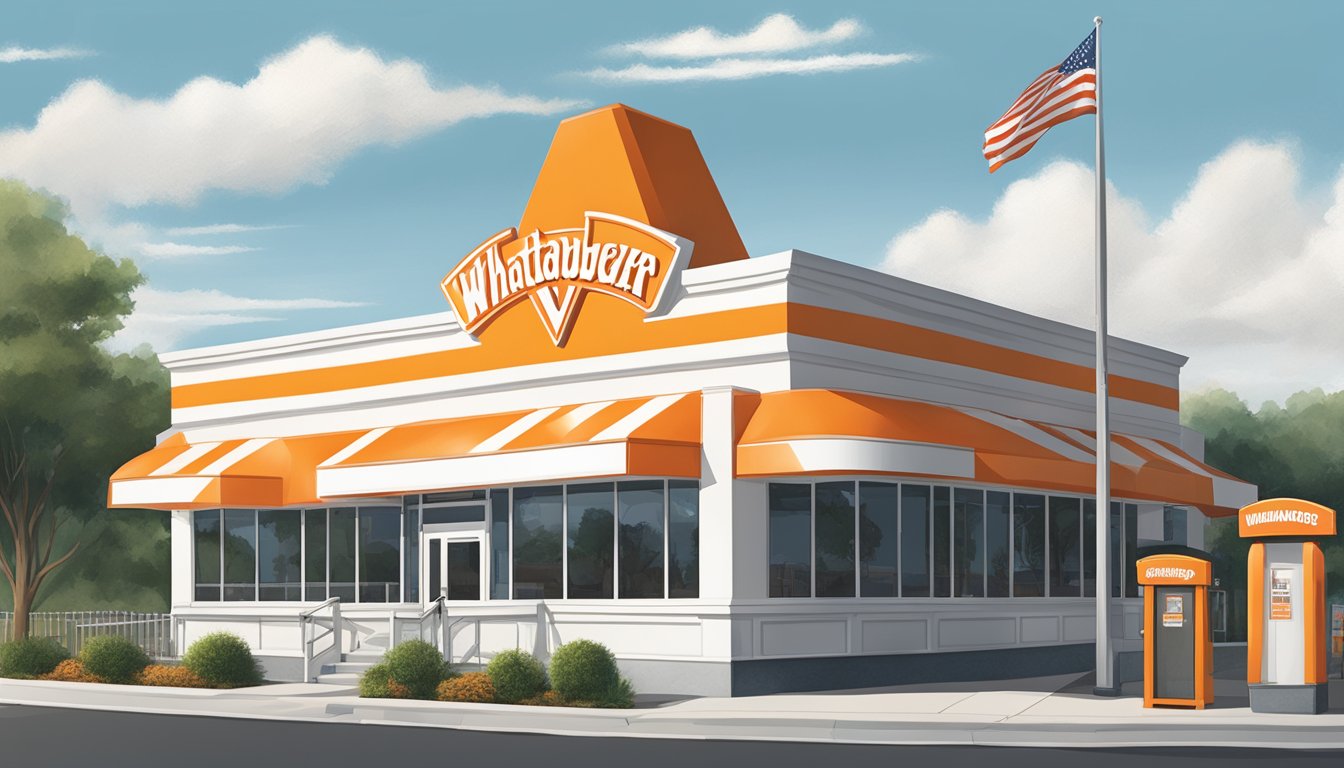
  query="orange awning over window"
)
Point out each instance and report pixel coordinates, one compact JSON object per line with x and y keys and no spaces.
{"x":657,"y":436}
{"x":258,"y":472}
{"x":821,"y":432}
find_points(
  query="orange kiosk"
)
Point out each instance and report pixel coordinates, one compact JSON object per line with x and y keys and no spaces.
{"x":1285,"y":611}
{"x":1177,"y":641}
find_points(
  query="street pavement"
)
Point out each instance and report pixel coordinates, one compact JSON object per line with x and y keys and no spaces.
{"x":1040,"y":712}
{"x":41,"y":736}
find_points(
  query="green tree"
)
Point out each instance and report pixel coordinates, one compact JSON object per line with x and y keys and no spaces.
{"x":70,"y":411}
{"x":1296,"y":450}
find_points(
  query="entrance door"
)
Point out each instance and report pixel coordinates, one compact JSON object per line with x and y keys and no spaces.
{"x":454,"y":565}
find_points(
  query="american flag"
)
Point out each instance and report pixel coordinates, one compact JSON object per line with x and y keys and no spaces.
{"x":1060,"y":93}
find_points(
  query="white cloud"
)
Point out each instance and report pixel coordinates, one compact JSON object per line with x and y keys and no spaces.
{"x":778,"y":33}
{"x":169,"y":250}
{"x":163,"y":319}
{"x":15,"y":54}
{"x":742,"y":69}
{"x":222,"y":229}
{"x":1244,"y":274}
{"x":306,"y":111}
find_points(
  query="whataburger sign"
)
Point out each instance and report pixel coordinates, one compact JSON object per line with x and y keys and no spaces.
{"x":1285,"y":517}
{"x":609,"y":254}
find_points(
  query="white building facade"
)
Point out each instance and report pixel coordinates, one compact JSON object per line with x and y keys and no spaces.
{"x":742,"y":475}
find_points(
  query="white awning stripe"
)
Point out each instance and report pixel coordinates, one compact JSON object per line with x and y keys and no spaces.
{"x":236,"y":455}
{"x":357,"y":446}
{"x":1034,"y":434}
{"x":510,"y":433}
{"x":637,"y":418}
{"x":183,"y":459}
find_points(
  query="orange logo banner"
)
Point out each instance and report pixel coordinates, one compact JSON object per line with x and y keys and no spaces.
{"x":1285,"y":517}
{"x":1174,"y":569}
{"x":609,"y":254}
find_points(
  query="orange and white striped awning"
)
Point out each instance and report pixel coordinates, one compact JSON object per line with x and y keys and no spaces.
{"x":818,"y":432}
{"x":657,"y":436}
{"x":258,"y":472}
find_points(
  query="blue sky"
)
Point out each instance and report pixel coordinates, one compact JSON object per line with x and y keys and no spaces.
{"x":1216,"y":114}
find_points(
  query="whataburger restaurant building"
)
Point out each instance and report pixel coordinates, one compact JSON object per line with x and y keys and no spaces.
{"x":740,"y":474}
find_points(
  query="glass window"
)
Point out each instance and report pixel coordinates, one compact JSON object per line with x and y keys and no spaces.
{"x":538,"y":539}
{"x":1089,"y":547}
{"x":878,"y":539}
{"x":315,"y":554}
{"x":410,"y":547}
{"x":499,"y":544}
{"x":1028,"y":545}
{"x":1174,"y":530}
{"x":835,"y":539}
{"x":968,"y":543}
{"x":240,"y":554}
{"x":467,"y":513}
{"x":683,"y":538}
{"x":279,"y":547}
{"x":591,"y":540}
{"x":790,"y":534}
{"x":379,"y":555}
{"x":1131,"y":550}
{"x":1065,"y":526}
{"x":641,"y":509}
{"x":341,"y":548}
{"x":915,"y":535}
{"x":942,"y":542}
{"x":206,"y":526}
{"x":1117,"y":549}
{"x":998,"y":526}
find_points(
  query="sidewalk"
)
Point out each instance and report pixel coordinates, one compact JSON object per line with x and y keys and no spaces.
{"x":1040,"y":712}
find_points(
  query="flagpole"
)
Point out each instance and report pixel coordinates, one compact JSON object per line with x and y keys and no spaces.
{"x":1105,"y":682}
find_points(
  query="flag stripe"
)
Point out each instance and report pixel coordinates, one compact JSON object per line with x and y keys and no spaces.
{"x":1056,"y":95}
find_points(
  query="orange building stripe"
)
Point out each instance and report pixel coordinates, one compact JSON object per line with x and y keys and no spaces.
{"x":750,"y":322}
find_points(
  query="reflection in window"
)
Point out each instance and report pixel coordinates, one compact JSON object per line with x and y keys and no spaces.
{"x":240,"y":554}
{"x":641,"y":518}
{"x":591,"y":541}
{"x":342,"y":554}
{"x":315,"y":554}
{"x":835,"y":539}
{"x":1089,"y":547}
{"x":1131,"y":550}
{"x":968,"y":543}
{"x":1028,"y":545}
{"x":790,"y":537}
{"x":538,"y":542}
{"x":942,"y":542}
{"x":379,"y":555}
{"x":878,"y":539}
{"x":279,"y":548}
{"x":410,"y":573}
{"x":683,"y":538}
{"x":499,"y":544}
{"x":998,"y":525}
{"x":206,"y":527}
{"x":1065,"y":524}
{"x":915,"y":535}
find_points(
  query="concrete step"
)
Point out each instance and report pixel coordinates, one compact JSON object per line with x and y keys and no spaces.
{"x":339,"y":678}
{"x":356,"y":667}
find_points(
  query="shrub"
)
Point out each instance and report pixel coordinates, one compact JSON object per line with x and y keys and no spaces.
{"x":30,"y":657}
{"x":71,"y":671}
{"x":223,"y":660}
{"x":620,"y":697}
{"x":473,"y":687}
{"x":418,"y":666}
{"x":170,"y":676}
{"x":377,"y":683}
{"x":113,"y":659}
{"x":583,"y":670}
{"x":545,"y":699}
{"x":516,"y":675}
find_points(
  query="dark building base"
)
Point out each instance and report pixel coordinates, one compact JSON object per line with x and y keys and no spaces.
{"x":1290,"y":699}
{"x":761,"y":676}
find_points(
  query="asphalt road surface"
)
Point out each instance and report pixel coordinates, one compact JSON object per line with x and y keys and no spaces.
{"x":40,"y":736}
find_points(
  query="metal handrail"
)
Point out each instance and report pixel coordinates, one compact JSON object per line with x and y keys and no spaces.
{"x":308,"y":622}
{"x":437,"y":610}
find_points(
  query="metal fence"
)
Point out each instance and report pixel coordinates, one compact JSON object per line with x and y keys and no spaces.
{"x":151,"y":631}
